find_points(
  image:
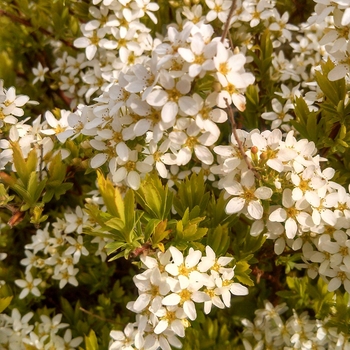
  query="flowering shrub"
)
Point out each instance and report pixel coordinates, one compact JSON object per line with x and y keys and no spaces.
{"x":174,"y":174}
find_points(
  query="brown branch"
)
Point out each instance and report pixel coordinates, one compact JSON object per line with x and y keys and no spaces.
{"x":27,"y":23}
{"x":97,"y":316}
{"x":228,"y":20}
{"x":239,"y":142}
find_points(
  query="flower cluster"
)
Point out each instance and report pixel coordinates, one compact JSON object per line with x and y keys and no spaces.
{"x":54,"y":254}
{"x":151,"y":118}
{"x":169,"y":288}
{"x":17,"y":333}
{"x":270,"y":330}
{"x":336,"y":39}
{"x":10,"y":105}
{"x":308,"y":211}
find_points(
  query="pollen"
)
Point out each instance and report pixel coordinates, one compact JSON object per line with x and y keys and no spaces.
{"x":130,"y":166}
{"x":292,"y":212}
{"x":170,"y":316}
{"x":210,"y":292}
{"x":199,"y":59}
{"x":94,"y":39}
{"x":304,"y":185}
{"x":185,"y":295}
{"x":248,"y":194}
{"x":174,"y":95}
{"x":191,"y":142}
{"x":183,"y":270}
{"x":223,"y":68}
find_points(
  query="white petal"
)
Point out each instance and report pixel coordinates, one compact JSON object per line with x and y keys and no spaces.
{"x":238,"y":289}
{"x":255,"y":210}
{"x":263,"y":192}
{"x":338,"y":72}
{"x":278,"y":215}
{"x":122,"y":151}
{"x":188,"y":105}
{"x":235,"y":205}
{"x":98,"y":160}
{"x":142,"y":301}
{"x":133,"y":180}
{"x":334,"y":284}
{"x":203,"y":154}
{"x":169,"y":111}
{"x":161,"y":327}
{"x":171,"y":300}
{"x":279,"y":246}
{"x":291,"y":228}
{"x":157,"y":98}
{"x":190,"y":310}
{"x":81,"y":42}
{"x":90,"y":52}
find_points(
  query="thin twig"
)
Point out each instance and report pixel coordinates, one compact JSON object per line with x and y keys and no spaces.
{"x":97,"y":316}
{"x":239,"y":142}
{"x":29,"y":24}
{"x":228,"y":20}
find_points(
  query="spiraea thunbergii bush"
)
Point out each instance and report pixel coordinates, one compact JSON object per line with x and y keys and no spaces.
{"x":174,"y":174}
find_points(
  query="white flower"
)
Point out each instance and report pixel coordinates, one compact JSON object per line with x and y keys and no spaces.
{"x":70,"y":343}
{"x":90,"y":41}
{"x":292,"y":214}
{"x":199,"y":55}
{"x":123,"y":340}
{"x":130,"y":168}
{"x":210,"y":262}
{"x":226,"y":287}
{"x":60,"y":127}
{"x":77,"y":248}
{"x":171,"y":97}
{"x":67,"y":276}
{"x":184,"y":268}
{"x":247,"y":196}
{"x":75,"y":220}
{"x":39,"y":73}
{"x":29,"y":285}
{"x":51,"y":326}
{"x":170,"y":317}
{"x":279,"y":114}
{"x":152,"y":286}
{"x":218,"y":9}
{"x":194,"y":140}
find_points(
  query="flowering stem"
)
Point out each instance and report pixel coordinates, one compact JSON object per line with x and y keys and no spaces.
{"x":98,"y":317}
{"x":239,"y":142}
{"x":228,"y":20}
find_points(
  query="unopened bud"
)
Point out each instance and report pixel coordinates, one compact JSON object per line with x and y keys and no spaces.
{"x":216,"y":86}
{"x":263,"y":156}
{"x":254,"y":150}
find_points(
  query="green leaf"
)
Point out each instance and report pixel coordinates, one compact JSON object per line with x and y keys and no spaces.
{"x":334,"y":91}
{"x":111,"y":197}
{"x":23,"y":168}
{"x":192,"y":192}
{"x":116,"y":224}
{"x":160,"y":233}
{"x":5,"y":302}
{"x":218,"y":239}
{"x":129,"y":214}
{"x":91,"y":341}
{"x":242,"y":273}
{"x":155,"y":199}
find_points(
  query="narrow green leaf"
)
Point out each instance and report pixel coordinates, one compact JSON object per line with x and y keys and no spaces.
{"x":91,"y":341}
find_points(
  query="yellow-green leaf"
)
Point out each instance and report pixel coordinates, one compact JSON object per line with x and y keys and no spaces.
{"x":4,"y":303}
